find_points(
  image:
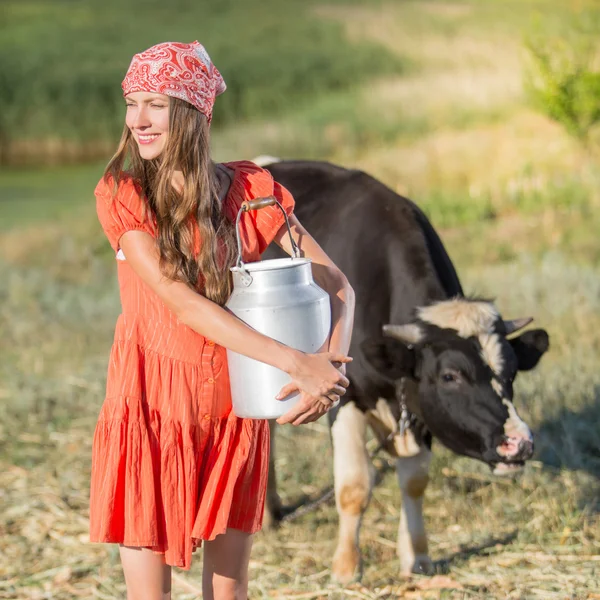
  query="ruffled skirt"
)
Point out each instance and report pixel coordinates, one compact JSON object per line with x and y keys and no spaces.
{"x":171,"y":464}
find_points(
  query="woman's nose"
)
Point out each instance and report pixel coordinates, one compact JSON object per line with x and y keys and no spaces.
{"x":141,"y":118}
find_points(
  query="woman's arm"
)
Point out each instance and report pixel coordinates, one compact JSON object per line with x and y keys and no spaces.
{"x":329,"y":278}
{"x":310,"y":373}
{"x":332,"y":281}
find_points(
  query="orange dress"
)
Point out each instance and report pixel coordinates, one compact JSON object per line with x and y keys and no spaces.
{"x":171,"y":464}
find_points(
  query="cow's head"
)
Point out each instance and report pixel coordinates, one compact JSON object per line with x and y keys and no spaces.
{"x":459,"y":357}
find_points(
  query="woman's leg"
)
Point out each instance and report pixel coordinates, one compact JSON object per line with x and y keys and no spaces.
{"x":146,"y":575}
{"x":225,"y":573}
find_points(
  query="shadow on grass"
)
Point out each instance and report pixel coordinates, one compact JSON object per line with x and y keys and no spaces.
{"x":442,"y":566}
{"x":570,"y":440}
{"x":306,"y":504}
{"x":303,"y":505}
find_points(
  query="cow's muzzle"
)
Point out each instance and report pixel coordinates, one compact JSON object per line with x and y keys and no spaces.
{"x":513,"y":452}
{"x":515,"y":449}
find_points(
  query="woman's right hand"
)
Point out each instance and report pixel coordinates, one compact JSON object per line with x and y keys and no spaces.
{"x":318,"y":380}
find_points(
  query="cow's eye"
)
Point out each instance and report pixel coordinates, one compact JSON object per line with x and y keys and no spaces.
{"x":450,"y":376}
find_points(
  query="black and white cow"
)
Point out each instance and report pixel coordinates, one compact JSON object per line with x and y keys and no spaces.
{"x":417,"y":339}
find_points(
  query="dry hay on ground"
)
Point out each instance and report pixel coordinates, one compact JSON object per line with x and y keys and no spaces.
{"x":480,"y":553}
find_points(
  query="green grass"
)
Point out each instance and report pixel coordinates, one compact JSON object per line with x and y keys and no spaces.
{"x":45,"y":195}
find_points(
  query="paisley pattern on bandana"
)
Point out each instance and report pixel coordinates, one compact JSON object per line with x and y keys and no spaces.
{"x":183,"y":71}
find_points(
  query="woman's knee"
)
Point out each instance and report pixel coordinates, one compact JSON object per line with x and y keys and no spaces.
{"x":147,"y":577}
{"x":220,"y":588}
{"x":226,"y":558}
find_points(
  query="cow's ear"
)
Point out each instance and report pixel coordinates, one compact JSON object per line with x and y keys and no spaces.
{"x":391,"y":358}
{"x":530,"y":347}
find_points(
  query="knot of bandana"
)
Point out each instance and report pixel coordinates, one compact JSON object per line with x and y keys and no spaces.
{"x":183,"y":71}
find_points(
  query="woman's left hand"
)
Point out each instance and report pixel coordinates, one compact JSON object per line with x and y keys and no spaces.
{"x":308,"y":409}
{"x":312,"y":408}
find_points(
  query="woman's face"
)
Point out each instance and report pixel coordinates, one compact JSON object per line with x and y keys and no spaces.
{"x":148,"y":120}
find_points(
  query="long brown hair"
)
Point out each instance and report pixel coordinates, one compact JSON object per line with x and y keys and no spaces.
{"x":187,"y":150}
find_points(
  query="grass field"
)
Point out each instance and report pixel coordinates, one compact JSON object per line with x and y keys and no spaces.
{"x":516,"y":202}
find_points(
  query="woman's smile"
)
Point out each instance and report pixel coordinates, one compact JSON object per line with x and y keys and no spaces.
{"x":145,"y":138}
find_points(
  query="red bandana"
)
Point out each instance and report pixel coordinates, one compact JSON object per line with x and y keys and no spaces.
{"x":183,"y":71}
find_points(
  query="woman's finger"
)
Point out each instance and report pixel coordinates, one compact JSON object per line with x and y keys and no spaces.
{"x":303,"y":419}
{"x":309,"y":416}
{"x":294,"y":412}
{"x":338,"y":358}
{"x":337,"y":390}
{"x":335,"y":400}
{"x":328,"y":400}
{"x":307,"y":410}
{"x":343,"y":381}
{"x":286,"y":390}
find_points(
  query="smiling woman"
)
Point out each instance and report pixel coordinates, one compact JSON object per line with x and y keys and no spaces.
{"x":173,"y":467}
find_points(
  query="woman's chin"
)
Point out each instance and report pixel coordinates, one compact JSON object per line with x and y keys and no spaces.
{"x":147,"y":153}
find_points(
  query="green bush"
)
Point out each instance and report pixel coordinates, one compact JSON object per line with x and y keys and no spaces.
{"x":563,"y":82}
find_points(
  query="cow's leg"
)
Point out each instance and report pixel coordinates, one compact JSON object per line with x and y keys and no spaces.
{"x":273,"y":510}
{"x":353,"y":479}
{"x":412,"y":540}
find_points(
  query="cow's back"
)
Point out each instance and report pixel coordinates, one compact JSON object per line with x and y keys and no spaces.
{"x":340,"y":206}
{"x":381,"y":241}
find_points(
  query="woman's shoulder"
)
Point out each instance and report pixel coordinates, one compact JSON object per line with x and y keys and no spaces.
{"x":121,"y":206}
{"x":246,"y":167}
{"x":249,"y":180}
{"x":125,"y":186}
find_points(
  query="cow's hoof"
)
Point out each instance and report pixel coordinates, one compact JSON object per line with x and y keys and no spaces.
{"x":346,"y":566}
{"x":422,"y":565}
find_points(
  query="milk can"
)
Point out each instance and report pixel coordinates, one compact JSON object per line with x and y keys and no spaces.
{"x":279,"y":299}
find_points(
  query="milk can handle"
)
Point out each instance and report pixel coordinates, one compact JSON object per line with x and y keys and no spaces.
{"x":257,"y":204}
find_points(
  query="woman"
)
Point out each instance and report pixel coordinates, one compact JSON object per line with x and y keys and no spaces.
{"x":172,"y":465}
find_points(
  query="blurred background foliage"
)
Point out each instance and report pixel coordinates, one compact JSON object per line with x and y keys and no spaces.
{"x":63,"y":62}
{"x":563,"y":79}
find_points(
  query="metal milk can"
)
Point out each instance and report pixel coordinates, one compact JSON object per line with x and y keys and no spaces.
{"x":280,"y":299}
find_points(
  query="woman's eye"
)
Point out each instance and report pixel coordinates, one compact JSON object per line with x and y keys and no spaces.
{"x":157,"y":105}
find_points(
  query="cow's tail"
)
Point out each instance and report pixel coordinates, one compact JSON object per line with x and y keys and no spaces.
{"x":264,"y":159}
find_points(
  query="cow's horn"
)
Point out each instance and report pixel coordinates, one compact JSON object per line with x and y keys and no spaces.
{"x":516,"y":324}
{"x":409,"y":333}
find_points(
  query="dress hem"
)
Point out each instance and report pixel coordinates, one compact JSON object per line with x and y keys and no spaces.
{"x":155,"y":547}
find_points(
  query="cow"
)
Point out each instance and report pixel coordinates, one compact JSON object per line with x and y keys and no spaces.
{"x":428,"y":360}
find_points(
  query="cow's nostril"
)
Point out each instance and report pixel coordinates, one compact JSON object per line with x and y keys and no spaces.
{"x":515,"y":449}
{"x":525,"y":449}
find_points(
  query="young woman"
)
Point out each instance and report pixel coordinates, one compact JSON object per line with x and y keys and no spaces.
{"x":172,"y":466}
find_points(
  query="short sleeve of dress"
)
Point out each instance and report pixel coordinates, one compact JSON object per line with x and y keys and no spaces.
{"x":126,"y":211}
{"x":259,"y":227}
